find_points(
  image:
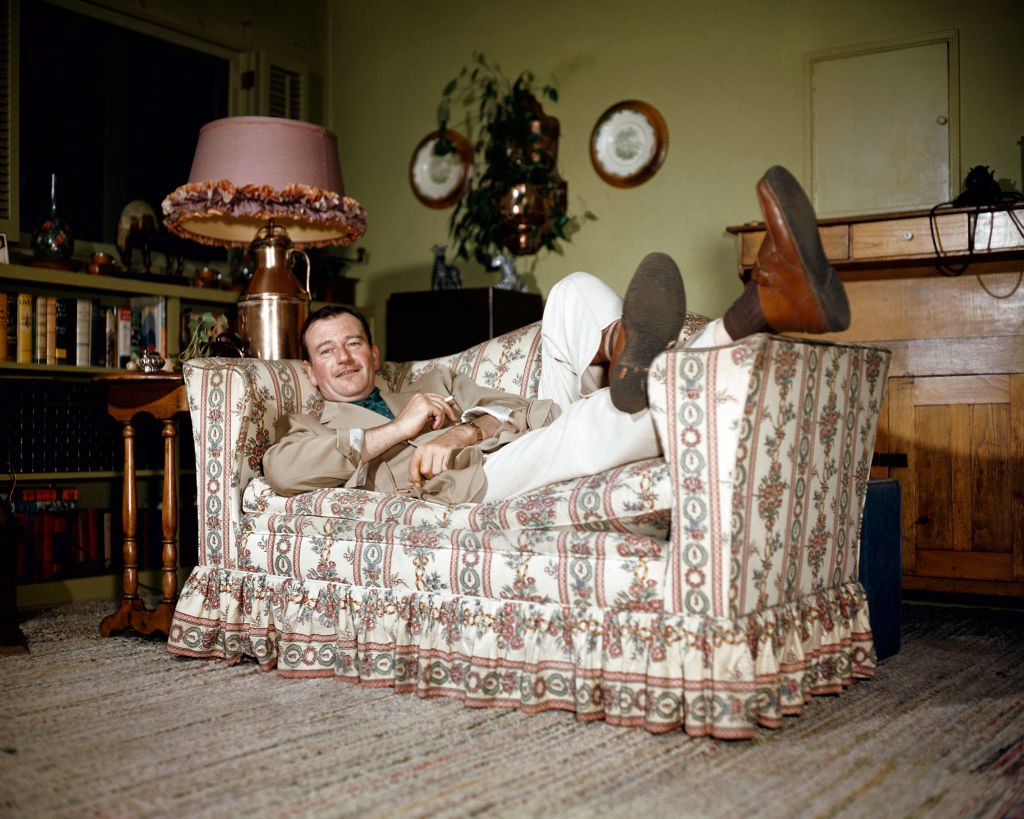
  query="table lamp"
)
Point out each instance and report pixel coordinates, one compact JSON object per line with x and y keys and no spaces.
{"x":273,"y":185}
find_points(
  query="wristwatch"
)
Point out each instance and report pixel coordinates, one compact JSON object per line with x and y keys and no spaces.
{"x":479,"y":431}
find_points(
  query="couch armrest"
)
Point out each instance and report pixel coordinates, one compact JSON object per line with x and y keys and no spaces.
{"x":235,"y":404}
{"x":769,"y":443}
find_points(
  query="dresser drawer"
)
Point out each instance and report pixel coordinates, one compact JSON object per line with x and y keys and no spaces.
{"x":907,"y":238}
{"x":834,"y":238}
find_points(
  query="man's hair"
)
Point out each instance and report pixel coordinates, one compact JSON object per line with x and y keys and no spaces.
{"x":330,"y":311}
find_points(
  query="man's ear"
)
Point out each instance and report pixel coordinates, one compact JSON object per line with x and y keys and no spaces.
{"x":376,"y":358}
{"x":309,"y":373}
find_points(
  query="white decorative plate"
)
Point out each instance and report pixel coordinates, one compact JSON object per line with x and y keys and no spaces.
{"x":629,"y":143}
{"x":438,"y":180}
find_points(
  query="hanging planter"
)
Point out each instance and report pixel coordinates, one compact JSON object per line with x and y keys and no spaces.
{"x":516,"y":202}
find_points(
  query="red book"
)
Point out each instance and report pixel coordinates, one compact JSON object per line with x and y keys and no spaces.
{"x":61,"y":548}
{"x":46,"y":543}
{"x":23,"y":559}
{"x":95,"y":538}
{"x":80,"y":543}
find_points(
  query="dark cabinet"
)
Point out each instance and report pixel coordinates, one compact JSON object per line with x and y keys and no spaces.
{"x":432,"y":323}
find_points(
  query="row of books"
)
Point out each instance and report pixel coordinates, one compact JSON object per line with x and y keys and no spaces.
{"x":63,"y":544}
{"x":49,"y":425}
{"x":58,"y":540}
{"x":80,"y":332}
{"x":53,"y":425}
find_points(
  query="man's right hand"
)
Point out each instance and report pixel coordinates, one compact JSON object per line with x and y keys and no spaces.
{"x":426,"y":410}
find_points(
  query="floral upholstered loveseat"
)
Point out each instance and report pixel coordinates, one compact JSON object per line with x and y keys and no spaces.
{"x":714,"y":589}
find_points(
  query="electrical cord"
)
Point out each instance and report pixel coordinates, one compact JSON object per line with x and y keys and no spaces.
{"x":1005,"y":202}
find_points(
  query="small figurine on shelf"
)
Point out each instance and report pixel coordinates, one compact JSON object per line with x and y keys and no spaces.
{"x":510,"y":278}
{"x":136,"y":230}
{"x":139,"y":229}
{"x":445,"y":276}
{"x":151,"y":361}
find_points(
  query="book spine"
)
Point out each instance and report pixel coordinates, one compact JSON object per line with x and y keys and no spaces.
{"x":162,"y":325}
{"x":99,"y":339}
{"x":110,"y":336}
{"x":23,"y":559}
{"x":124,"y":336}
{"x":51,"y":330}
{"x":38,"y":545}
{"x":46,"y":565}
{"x":40,"y":319}
{"x":61,"y":544}
{"x":80,"y":542}
{"x":137,"y":341}
{"x":12,"y":326}
{"x":67,"y":321}
{"x":83,"y":332}
{"x":25,"y":328}
{"x":3,"y":327}
{"x":95,"y":523}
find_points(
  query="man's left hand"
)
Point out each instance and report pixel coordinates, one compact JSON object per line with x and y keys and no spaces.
{"x":431,"y":459}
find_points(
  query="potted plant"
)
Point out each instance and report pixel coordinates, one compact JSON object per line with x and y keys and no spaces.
{"x":515,"y":202}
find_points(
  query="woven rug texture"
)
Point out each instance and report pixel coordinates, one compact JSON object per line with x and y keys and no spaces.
{"x":119,"y":728}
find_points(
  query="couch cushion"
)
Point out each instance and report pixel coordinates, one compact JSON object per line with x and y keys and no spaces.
{"x":565,"y":567}
{"x":635,"y":499}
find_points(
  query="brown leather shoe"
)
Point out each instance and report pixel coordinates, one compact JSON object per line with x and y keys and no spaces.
{"x":797,"y":287}
{"x":652,"y":316}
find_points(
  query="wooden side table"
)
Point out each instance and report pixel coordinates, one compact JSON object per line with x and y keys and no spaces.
{"x":162,"y":395}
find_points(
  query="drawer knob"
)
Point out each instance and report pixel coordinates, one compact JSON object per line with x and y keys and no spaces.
{"x":908,"y":235}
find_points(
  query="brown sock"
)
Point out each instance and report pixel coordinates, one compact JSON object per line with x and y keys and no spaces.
{"x":744,"y":317}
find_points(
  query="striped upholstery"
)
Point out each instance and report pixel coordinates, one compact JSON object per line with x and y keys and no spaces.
{"x":714,"y":589}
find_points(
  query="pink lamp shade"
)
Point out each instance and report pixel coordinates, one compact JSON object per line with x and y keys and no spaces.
{"x":249,"y":170}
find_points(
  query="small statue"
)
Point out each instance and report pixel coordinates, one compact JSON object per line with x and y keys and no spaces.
{"x":139,"y":229}
{"x":510,"y":279}
{"x":445,"y":276}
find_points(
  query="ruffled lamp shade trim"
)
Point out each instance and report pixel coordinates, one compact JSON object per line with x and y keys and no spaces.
{"x":228,"y":215}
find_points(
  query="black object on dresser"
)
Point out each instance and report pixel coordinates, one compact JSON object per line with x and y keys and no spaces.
{"x":432,"y":323}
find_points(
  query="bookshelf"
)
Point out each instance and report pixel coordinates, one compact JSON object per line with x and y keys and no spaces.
{"x":95,"y":472}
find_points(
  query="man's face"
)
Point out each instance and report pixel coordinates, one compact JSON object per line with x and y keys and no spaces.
{"x":341,"y":362}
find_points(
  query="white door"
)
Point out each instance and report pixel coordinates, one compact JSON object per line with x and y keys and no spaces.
{"x":883,"y":124}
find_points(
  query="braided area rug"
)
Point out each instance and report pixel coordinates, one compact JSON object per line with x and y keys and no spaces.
{"x":119,"y":728}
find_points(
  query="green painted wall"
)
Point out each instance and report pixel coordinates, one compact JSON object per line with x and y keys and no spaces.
{"x":727,"y":76}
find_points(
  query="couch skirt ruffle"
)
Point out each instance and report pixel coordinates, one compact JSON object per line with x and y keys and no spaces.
{"x":710,"y":676}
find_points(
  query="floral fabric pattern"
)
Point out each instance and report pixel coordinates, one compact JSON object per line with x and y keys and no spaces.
{"x":712,"y":590}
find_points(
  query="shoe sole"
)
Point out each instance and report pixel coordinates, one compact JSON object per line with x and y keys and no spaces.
{"x":653,"y":312}
{"x":796,"y":209}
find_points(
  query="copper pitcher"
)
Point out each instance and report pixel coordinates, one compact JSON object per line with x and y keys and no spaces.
{"x":273,"y":308}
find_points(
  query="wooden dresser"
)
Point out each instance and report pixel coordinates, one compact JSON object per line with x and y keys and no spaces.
{"x":952,"y":425}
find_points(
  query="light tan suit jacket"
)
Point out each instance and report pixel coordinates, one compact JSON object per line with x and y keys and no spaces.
{"x":314,"y":453}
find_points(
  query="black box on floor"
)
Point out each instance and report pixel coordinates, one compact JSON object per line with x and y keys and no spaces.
{"x":881,"y":563}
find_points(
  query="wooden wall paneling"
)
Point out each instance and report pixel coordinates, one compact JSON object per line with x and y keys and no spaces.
{"x":901,"y":440}
{"x":932,"y":475}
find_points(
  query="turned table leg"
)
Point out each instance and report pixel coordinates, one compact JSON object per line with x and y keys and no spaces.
{"x":163,"y":396}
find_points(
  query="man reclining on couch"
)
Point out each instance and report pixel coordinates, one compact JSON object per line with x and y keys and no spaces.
{"x":447,"y":439}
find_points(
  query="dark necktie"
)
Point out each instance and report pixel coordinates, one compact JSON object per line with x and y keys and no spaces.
{"x":375,"y":403}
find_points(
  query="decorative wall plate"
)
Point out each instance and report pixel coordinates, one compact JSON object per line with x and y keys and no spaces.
{"x":439,"y":180}
{"x":629,"y":143}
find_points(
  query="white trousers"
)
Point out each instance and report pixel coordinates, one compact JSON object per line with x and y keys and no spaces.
{"x":590,"y":436}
